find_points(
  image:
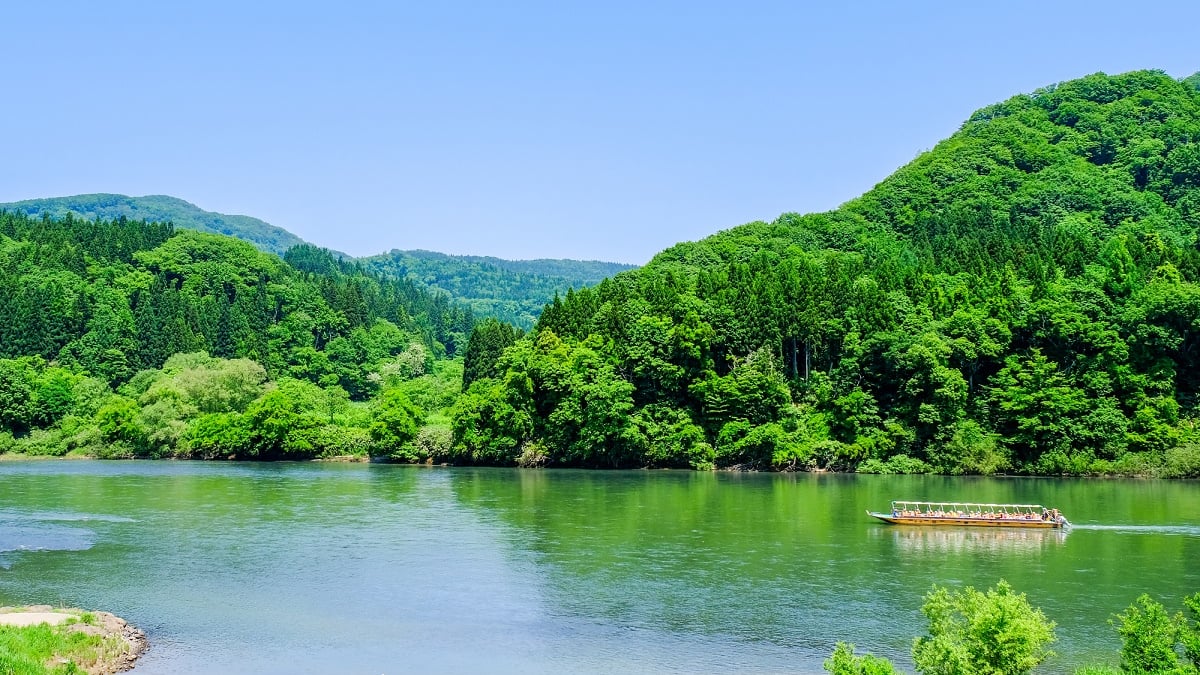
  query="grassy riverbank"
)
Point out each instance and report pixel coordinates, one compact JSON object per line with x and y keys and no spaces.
{"x":62,"y":641}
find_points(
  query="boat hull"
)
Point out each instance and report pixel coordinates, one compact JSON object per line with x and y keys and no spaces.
{"x":966,"y":521}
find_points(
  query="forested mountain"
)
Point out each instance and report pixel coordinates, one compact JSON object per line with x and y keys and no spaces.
{"x":122,"y":337}
{"x":1023,"y":297}
{"x":510,"y":290}
{"x":513,"y":291}
{"x":162,"y":209}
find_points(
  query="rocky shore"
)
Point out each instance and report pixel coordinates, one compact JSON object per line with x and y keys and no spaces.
{"x":122,"y":643}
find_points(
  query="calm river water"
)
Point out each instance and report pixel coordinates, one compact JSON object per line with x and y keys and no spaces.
{"x":336,"y":568}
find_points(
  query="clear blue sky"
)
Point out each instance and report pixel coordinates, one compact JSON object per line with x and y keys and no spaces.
{"x":607,"y":130}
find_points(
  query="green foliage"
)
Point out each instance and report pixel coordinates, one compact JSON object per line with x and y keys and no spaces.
{"x":971,"y":450}
{"x":16,"y":392}
{"x":490,"y":422}
{"x":27,"y":650}
{"x":435,"y":390}
{"x":203,"y":383}
{"x":162,"y":209}
{"x":754,"y":392}
{"x":843,"y":661}
{"x":1022,"y":297}
{"x":118,"y":421}
{"x":893,"y":465}
{"x":394,"y":424}
{"x":1153,"y":640}
{"x":488,"y":341}
{"x":996,"y":632}
{"x":218,"y":436}
{"x":1098,"y":670}
{"x":673,"y":439}
{"x":1189,"y":633}
{"x":215,"y":348}
{"x":510,"y":291}
{"x":433,"y":441}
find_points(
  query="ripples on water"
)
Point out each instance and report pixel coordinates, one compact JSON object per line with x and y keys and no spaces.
{"x":267,"y":568}
{"x":39,"y":531}
{"x":1183,"y":530}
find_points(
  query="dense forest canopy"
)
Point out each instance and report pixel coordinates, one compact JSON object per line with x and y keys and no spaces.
{"x":1023,"y":297}
{"x":133,"y":338}
{"x":513,"y":291}
{"x":162,"y":209}
{"x":509,"y":290}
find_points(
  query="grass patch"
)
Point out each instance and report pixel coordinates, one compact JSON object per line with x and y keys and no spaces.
{"x":47,"y":650}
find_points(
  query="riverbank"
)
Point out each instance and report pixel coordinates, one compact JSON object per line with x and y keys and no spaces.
{"x":40,"y":636}
{"x":1140,"y":471}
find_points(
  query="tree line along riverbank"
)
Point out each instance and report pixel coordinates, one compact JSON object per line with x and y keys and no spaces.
{"x":1020,"y":299}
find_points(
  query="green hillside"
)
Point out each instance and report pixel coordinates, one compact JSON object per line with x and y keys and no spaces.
{"x":1025,"y":297}
{"x":163,"y":209}
{"x":513,"y":291}
{"x":510,"y":290}
{"x":132,"y":338}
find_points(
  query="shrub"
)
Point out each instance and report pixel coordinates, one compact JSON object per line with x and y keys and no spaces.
{"x":996,"y":632}
{"x":1149,"y":637}
{"x":433,"y":441}
{"x":533,"y":455}
{"x":1182,"y":462}
{"x":894,"y":465}
{"x":844,"y":662}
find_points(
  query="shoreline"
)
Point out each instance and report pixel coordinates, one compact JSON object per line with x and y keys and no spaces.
{"x":735,"y":468}
{"x":122,"y":643}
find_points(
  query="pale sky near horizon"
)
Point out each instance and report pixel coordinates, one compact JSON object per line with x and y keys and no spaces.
{"x":527,"y":129}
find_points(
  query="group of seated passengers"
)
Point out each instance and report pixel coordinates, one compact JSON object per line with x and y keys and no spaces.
{"x":993,"y":515}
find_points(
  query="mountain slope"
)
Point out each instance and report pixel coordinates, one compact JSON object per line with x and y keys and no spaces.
{"x":126,"y":337}
{"x":510,"y":290}
{"x":161,"y":208}
{"x":1023,"y":297}
{"x":513,"y":291}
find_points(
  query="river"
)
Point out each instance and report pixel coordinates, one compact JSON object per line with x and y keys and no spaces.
{"x":354,"y":568}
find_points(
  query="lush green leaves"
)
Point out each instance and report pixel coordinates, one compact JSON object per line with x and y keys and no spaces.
{"x":1022,"y":297}
{"x":994,"y":632}
{"x":844,"y":661}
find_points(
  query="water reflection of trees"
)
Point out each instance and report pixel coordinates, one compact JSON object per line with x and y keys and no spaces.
{"x":942,"y":540}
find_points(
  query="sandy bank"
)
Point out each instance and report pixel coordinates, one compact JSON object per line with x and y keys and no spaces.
{"x":122,"y":646}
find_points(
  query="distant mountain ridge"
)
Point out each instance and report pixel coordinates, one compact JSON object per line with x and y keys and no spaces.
{"x":510,"y":290}
{"x":589,"y":272}
{"x":162,"y":208}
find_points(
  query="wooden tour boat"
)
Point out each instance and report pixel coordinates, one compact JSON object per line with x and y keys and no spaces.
{"x":964,"y":513}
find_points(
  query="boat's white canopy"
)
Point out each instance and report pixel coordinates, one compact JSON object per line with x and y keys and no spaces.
{"x":966,"y":505}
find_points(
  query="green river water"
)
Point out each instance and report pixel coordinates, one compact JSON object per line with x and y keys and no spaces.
{"x":336,"y":568}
